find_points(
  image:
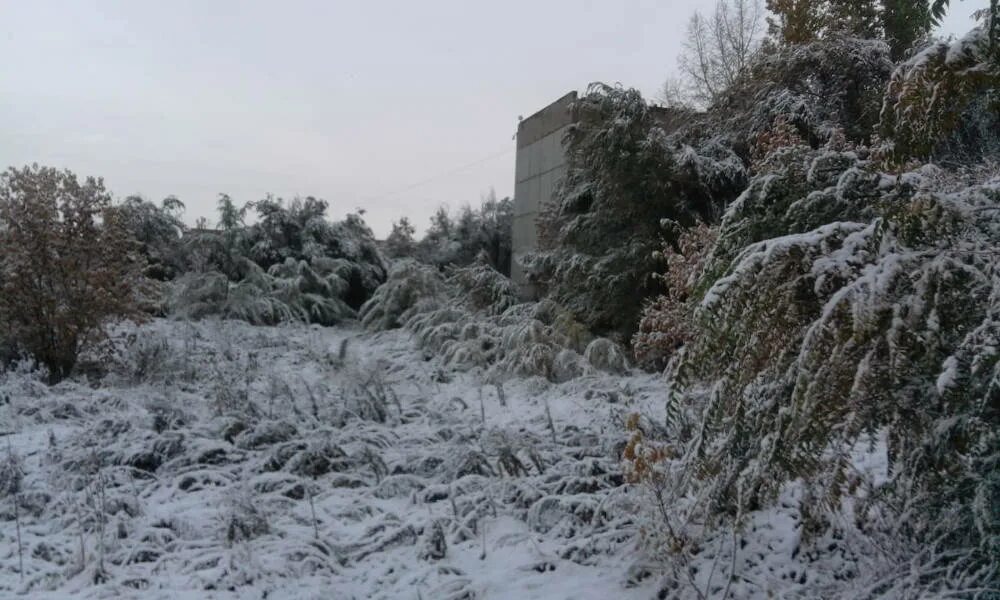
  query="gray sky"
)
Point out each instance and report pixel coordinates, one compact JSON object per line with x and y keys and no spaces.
{"x":350,"y":101}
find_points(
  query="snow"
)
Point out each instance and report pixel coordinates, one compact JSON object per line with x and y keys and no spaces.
{"x":386,"y":447}
{"x":568,"y":532}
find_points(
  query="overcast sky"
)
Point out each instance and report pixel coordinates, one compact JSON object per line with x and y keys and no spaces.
{"x":396,"y":107}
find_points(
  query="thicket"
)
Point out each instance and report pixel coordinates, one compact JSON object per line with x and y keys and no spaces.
{"x":624,"y":175}
{"x":943,"y":103}
{"x":291,"y":264}
{"x":72,"y":261}
{"x":158,"y":229}
{"x":631,"y":165}
{"x":471,"y":318}
{"x":472,"y":235}
{"x":847,"y":307}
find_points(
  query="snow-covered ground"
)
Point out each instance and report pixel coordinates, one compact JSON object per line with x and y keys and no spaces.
{"x":222,"y":460}
{"x":210,"y":447}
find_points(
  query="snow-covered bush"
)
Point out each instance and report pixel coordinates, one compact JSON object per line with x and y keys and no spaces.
{"x":944,"y":102}
{"x":484,"y":288}
{"x":771,"y":144}
{"x":599,"y":236}
{"x":291,"y":264}
{"x":876,"y":316}
{"x":605,"y":355}
{"x":833,"y":83}
{"x":158,"y":229}
{"x":411,"y":287}
{"x":471,"y":319}
{"x":301,"y":232}
{"x":290,"y":291}
{"x":526,"y":340}
{"x":414,"y":288}
{"x":802,"y":190}
{"x":482,"y":234}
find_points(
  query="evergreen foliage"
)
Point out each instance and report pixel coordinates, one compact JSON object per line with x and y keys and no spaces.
{"x":819,"y":330}
{"x":830,"y":84}
{"x":158,"y":228}
{"x":842,"y":310}
{"x":290,"y":291}
{"x":471,"y":318}
{"x":411,"y":287}
{"x":400,"y":243}
{"x":484,"y":232}
{"x":292,"y":264}
{"x":947,"y":91}
{"x":625,"y":174}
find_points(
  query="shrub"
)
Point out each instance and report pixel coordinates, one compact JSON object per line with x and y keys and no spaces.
{"x":292,"y":265}
{"x":668,"y":321}
{"x":824,"y":335}
{"x":948,"y":89}
{"x":67,"y":264}
{"x":297,"y":231}
{"x":291,"y":291}
{"x":820,"y":86}
{"x":605,"y":355}
{"x":471,"y":318}
{"x":301,"y":232}
{"x":410,"y":287}
{"x":483,"y":288}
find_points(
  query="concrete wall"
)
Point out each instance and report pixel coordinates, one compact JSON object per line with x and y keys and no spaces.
{"x":541,"y":163}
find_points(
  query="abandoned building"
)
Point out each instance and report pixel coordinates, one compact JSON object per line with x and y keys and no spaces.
{"x":540,"y":165}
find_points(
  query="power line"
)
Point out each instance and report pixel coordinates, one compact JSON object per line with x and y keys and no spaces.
{"x":439,"y":176}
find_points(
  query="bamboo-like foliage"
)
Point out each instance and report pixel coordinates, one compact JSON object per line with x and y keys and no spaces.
{"x":813,"y":341}
{"x":624,"y":174}
{"x":294,"y":291}
{"x":930,"y":95}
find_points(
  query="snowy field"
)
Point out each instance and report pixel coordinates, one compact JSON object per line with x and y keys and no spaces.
{"x":223,"y":460}
{"x":216,"y":444}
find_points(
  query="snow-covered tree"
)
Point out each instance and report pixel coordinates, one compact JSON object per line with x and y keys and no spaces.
{"x":946,"y":88}
{"x":599,"y":235}
{"x":400,"y":243}
{"x":459,"y":241}
{"x":795,"y":21}
{"x":841,"y":304}
{"x":291,"y":264}
{"x":158,"y":229}
{"x":830,"y":84}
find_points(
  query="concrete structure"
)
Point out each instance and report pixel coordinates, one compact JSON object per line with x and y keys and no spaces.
{"x":541,"y":163}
